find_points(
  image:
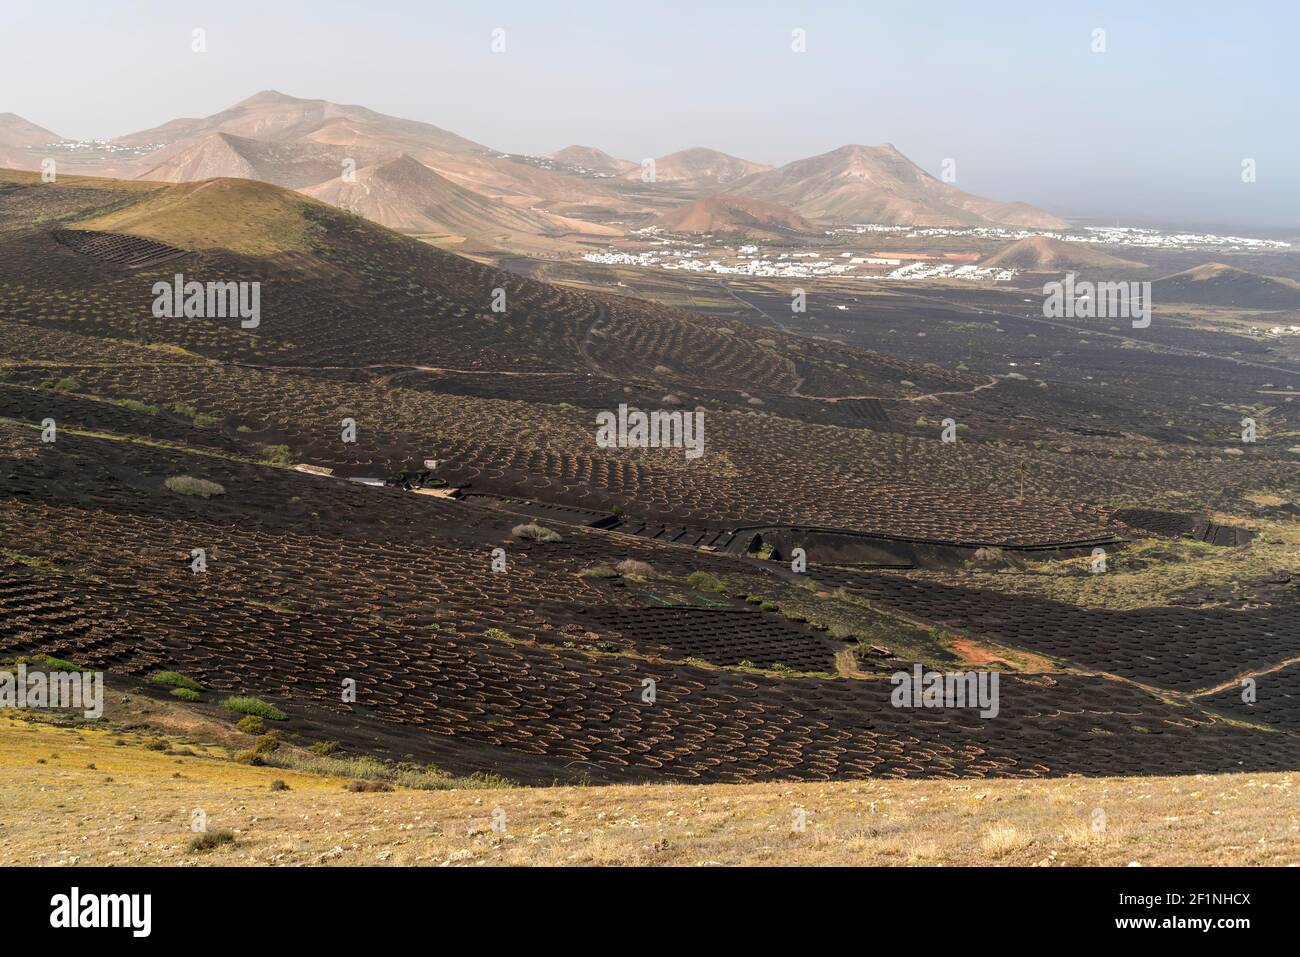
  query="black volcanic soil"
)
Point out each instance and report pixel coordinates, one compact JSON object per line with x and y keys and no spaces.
{"x":539,"y":671}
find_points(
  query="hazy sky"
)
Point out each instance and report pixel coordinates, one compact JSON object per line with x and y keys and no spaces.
{"x":1157,"y":126}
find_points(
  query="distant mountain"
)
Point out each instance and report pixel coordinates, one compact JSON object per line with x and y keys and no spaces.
{"x":212,"y":155}
{"x":1216,"y":284}
{"x":303,"y":143}
{"x":276,"y":117}
{"x":736,"y":214}
{"x":700,"y":167}
{"x":16,"y":131}
{"x":1044,"y":254}
{"x":286,"y":140}
{"x":16,"y":135}
{"x":588,"y":157}
{"x":406,"y":195}
{"x":878,"y":184}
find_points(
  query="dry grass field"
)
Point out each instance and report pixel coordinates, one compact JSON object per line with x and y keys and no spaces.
{"x":91,"y":801}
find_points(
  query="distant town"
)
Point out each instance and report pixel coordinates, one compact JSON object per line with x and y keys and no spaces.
{"x":1101,"y":235}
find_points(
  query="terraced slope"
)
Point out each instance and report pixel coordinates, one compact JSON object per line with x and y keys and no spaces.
{"x":389,"y":303}
{"x":470,"y":422}
{"x":310,"y":581}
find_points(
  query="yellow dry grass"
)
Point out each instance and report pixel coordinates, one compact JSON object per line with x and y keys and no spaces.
{"x":235,"y":214}
{"x":135,"y":805}
{"x":1154,"y":572}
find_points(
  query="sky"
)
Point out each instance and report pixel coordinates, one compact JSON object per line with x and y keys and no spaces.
{"x":1155,"y":128}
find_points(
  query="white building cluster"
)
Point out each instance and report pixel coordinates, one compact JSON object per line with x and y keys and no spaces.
{"x":927,"y":270}
{"x":96,"y":147}
{"x":689,"y":261}
{"x":796,"y":265}
{"x":1100,"y":235}
{"x":752,"y":259}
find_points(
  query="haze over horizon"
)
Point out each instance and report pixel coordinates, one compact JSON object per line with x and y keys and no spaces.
{"x":1153,"y":129}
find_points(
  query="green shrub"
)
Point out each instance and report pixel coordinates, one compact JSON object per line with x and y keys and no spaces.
{"x":277,"y":455}
{"x":68,"y":385}
{"x":598,"y":571}
{"x":174,"y":679}
{"x":324,"y":748}
{"x":188,"y":485}
{"x":135,"y":405}
{"x":247,"y":705}
{"x":210,"y":840}
{"x":705,"y":581}
{"x":206,"y":420}
{"x":61,"y":664}
{"x":535,"y":532}
{"x":486,"y":780}
{"x":266,"y":743}
{"x":251,"y":724}
{"x":185,"y":409}
{"x":186,"y":694}
{"x":380,"y":775}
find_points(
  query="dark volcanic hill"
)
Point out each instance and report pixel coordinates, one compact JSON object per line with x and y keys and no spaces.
{"x":1044,"y":254}
{"x":339,"y":291}
{"x":476,"y":394}
{"x":1216,"y":284}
